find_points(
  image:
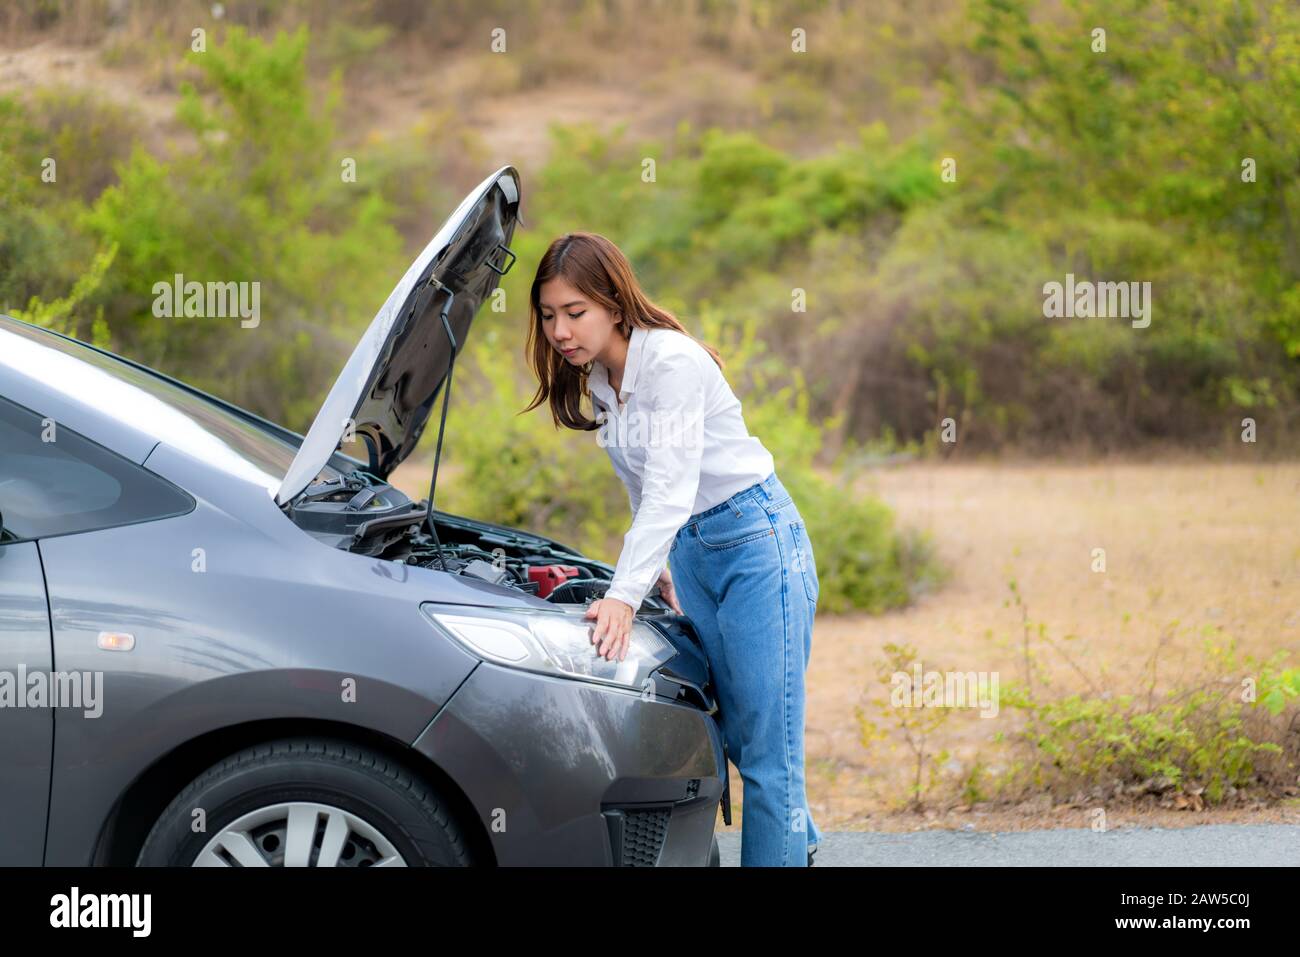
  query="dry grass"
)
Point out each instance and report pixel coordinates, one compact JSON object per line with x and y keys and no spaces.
{"x":1201,"y":544}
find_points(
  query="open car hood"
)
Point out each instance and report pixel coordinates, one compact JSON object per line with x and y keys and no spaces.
{"x":394,"y":375}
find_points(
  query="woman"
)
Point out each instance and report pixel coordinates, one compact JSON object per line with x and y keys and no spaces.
{"x":703,"y":493}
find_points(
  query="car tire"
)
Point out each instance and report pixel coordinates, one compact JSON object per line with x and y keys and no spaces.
{"x":314,"y":802}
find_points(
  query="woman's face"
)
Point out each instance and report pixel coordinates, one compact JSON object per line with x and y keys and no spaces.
{"x":576,"y":327}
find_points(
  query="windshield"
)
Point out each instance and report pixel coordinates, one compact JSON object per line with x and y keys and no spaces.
{"x":185,"y":418}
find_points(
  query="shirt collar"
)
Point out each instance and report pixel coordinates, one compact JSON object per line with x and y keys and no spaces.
{"x":598,"y":378}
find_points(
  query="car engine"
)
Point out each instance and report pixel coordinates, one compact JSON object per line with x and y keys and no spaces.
{"x":359,"y":513}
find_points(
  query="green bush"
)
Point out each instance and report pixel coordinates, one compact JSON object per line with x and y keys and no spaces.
{"x":263,"y":201}
{"x":42,"y":254}
{"x":1122,"y":165}
{"x":1205,"y":740}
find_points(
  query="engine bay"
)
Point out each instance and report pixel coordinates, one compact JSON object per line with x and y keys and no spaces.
{"x":359,"y":513}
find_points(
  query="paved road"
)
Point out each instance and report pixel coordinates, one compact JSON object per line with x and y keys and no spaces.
{"x":1215,"y":845}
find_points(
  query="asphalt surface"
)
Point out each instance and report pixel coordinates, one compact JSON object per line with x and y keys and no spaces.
{"x":1213,"y":845}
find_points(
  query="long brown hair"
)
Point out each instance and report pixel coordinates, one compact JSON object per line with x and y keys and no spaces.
{"x":597,"y":268}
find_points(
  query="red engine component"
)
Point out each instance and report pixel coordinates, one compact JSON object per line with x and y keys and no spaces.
{"x":548,"y":577}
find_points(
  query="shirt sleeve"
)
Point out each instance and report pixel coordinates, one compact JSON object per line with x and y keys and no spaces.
{"x":674,"y":446}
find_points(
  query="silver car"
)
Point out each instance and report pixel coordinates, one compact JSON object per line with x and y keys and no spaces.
{"x":224,"y":644}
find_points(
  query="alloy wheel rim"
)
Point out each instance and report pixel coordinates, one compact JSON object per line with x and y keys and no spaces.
{"x":299,"y":834}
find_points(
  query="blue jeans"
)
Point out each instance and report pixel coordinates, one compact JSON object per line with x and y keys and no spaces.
{"x":744,"y":574}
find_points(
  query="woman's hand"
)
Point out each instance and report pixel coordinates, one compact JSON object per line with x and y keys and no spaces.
{"x":668,"y":592}
{"x":613,"y":629}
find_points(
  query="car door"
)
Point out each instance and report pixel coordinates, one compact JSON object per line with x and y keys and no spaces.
{"x":26,"y":732}
{"x":54,"y":485}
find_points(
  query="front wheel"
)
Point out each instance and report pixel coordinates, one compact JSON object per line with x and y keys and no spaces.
{"x":306,"y":802}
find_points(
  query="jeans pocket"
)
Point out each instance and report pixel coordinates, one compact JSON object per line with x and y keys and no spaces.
{"x":726,"y":529}
{"x":806,"y":560}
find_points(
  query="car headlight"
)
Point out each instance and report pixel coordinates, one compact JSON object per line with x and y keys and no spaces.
{"x":555,"y":642}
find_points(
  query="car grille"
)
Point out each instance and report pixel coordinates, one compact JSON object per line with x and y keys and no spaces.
{"x":637,"y":834}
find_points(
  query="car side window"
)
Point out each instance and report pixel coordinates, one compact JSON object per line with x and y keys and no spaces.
{"x":54,"y":481}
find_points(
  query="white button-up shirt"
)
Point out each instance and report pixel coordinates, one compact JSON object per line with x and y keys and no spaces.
{"x":679,"y":444}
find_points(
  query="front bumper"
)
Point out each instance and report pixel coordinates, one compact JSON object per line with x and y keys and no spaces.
{"x":567,"y":772}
